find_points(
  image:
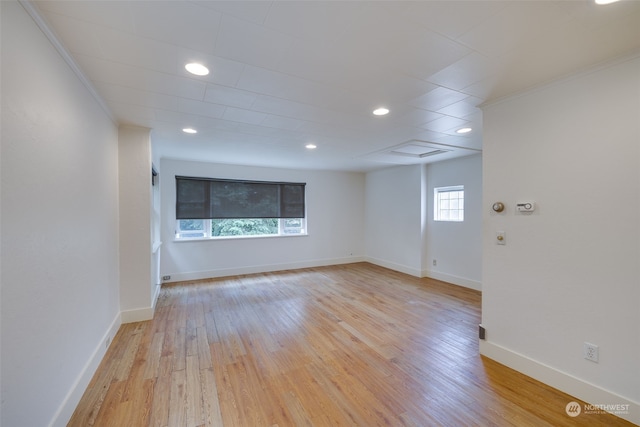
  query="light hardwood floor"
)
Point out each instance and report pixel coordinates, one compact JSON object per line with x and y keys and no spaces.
{"x":352,"y":345}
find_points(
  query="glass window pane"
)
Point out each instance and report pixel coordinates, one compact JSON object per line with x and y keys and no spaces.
{"x":448,"y":203}
{"x":191,"y":224}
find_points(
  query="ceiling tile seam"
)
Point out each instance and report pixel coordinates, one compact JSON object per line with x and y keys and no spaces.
{"x":185,"y":77}
{"x":289,"y":75}
{"x":215,"y":42}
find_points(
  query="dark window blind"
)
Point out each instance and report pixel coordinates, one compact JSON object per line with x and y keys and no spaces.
{"x":211,"y":198}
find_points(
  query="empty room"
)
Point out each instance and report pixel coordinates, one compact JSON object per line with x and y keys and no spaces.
{"x":320,"y":213}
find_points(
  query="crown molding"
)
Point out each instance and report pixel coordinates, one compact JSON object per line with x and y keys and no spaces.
{"x":41,"y":22}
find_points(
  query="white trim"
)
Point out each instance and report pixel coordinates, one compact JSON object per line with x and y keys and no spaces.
{"x":137,"y":314}
{"x":438,"y":193}
{"x":224,"y":272}
{"x":144,"y":313}
{"x":223,"y":238}
{"x":563,"y":381}
{"x":607,"y":63}
{"x":156,"y":294}
{"x":41,"y":22}
{"x":206,"y":232}
{"x":394,"y":266}
{"x":71,"y":400}
{"x":460,"y":281}
{"x":454,"y":280}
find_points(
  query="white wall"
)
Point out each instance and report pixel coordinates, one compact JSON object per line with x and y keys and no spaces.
{"x":138,"y":286}
{"x":456,"y":246}
{"x":335,"y":203}
{"x":399,"y":229}
{"x":156,"y":226}
{"x":570,"y":271}
{"x":59,"y":225}
{"x":393,"y":218}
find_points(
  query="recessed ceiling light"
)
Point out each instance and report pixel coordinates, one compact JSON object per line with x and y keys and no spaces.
{"x":381,"y":111}
{"x":605,"y":1}
{"x":189,"y":130}
{"x":197,"y":69}
{"x":464,"y":130}
{"x":311,"y":146}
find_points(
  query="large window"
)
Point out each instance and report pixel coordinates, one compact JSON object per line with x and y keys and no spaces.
{"x":219,"y":208}
{"x":448,"y":203}
{"x":220,"y":228}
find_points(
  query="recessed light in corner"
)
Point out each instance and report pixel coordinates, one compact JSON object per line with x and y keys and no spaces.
{"x":464,"y":130}
{"x":311,"y":146}
{"x":189,"y":130}
{"x":382,"y":111}
{"x":197,"y":69}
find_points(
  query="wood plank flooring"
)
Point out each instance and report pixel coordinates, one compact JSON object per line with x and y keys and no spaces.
{"x":352,"y":345}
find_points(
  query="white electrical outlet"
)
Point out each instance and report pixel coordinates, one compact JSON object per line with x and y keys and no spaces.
{"x":590,"y":352}
{"x":435,"y":262}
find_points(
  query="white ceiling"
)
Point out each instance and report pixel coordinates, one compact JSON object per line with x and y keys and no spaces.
{"x":287,"y":73}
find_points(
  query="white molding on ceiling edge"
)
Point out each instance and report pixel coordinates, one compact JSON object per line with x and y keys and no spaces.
{"x":571,"y":75}
{"x":40,"y":21}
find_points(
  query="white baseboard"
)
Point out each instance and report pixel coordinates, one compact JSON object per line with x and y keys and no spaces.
{"x":394,"y":266}
{"x":224,"y":272}
{"x":144,"y":313}
{"x":70,"y":402}
{"x":562,"y":381}
{"x":156,"y":294}
{"x":460,"y":281}
{"x":64,"y":413}
{"x":137,"y":315}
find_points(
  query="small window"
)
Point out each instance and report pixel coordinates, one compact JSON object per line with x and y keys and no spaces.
{"x":448,"y":203}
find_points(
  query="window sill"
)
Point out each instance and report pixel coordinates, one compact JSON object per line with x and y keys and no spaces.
{"x":209,"y":239}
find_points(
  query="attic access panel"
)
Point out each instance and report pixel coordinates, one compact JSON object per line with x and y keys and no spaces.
{"x":418,"y":151}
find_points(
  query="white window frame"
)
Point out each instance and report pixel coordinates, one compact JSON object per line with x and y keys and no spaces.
{"x":206,"y":232}
{"x":444,"y":208}
{"x":182,"y":234}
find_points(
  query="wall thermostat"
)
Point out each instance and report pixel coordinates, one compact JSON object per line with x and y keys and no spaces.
{"x":526,"y":207}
